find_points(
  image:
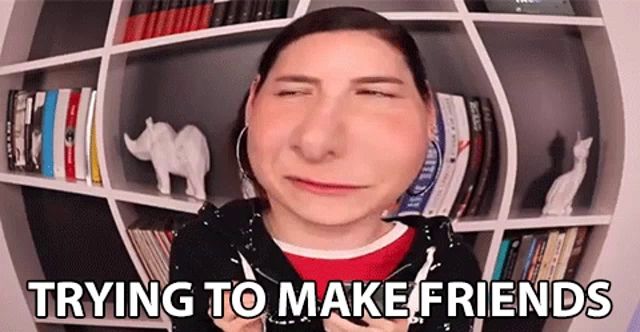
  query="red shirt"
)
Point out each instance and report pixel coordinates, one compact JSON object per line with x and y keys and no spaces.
{"x":374,"y":261}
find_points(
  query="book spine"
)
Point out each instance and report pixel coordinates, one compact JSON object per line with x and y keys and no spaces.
{"x":523,"y":252}
{"x":259,"y":11}
{"x":232,"y":12}
{"x":11,"y":163}
{"x":219,"y":12}
{"x":28,"y":128}
{"x":70,"y":136}
{"x":59,"y":133}
{"x":137,"y":21}
{"x":268,"y":10}
{"x":20,"y":110}
{"x":36,"y":131}
{"x":462,"y":156}
{"x":531,"y":250}
{"x":474,"y":117}
{"x":512,"y":257}
{"x":450,"y":153}
{"x":576,"y":253}
{"x":207,"y":13}
{"x":198,"y":6}
{"x":81,"y":132}
{"x":161,"y":18}
{"x":545,"y":262}
{"x":567,"y":246}
{"x":93,"y":144}
{"x":188,"y":15}
{"x":181,"y":13}
{"x":489,"y":156}
{"x":502,"y":256}
{"x":556,"y":256}
{"x":536,"y":262}
{"x":152,"y":19}
{"x":170,"y":17}
{"x":48,"y":127}
{"x":280,"y":8}
{"x":244,"y":13}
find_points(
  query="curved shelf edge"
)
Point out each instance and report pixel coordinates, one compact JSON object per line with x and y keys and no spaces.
{"x":39,"y":181}
{"x":537,"y":19}
{"x":53,"y":61}
{"x":562,"y":221}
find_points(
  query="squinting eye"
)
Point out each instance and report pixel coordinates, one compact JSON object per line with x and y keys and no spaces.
{"x":288,"y":93}
{"x":375,"y":93}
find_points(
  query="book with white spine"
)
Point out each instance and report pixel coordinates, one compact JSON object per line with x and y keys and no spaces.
{"x":462,"y":155}
{"x":449,"y":154}
{"x":59,"y":133}
{"x":81,"y":134}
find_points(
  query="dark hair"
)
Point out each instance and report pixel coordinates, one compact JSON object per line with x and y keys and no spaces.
{"x":334,"y":19}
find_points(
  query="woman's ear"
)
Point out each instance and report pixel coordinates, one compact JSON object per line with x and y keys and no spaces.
{"x":248,"y":107}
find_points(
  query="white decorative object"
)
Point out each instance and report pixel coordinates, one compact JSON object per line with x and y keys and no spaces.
{"x":185,"y":153}
{"x":559,"y":199}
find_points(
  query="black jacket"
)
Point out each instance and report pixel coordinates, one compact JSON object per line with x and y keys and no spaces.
{"x":212,"y":249}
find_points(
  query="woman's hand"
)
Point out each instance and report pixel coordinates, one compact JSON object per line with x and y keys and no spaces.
{"x":230,"y":322}
{"x":337,"y":324}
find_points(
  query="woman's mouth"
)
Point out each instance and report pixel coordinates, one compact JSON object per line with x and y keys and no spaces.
{"x":324,"y":188}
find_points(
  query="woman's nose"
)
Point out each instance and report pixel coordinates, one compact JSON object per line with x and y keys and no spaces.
{"x":320,"y":135}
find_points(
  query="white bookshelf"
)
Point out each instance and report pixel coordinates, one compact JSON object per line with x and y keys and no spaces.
{"x":474,"y":47}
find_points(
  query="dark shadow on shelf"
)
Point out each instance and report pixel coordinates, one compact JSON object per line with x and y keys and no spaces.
{"x":537,"y":191}
{"x":76,"y":238}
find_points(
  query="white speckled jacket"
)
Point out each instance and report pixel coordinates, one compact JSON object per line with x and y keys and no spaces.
{"x":231,"y":243}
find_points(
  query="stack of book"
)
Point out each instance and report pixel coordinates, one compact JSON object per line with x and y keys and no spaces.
{"x":152,"y":237}
{"x":155,"y":18}
{"x":548,"y":255}
{"x":454,"y":177}
{"x":53,"y":133}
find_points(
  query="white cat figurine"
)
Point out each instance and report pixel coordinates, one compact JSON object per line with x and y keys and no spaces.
{"x":559,"y":199}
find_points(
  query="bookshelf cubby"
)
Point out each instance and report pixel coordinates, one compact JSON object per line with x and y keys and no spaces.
{"x":546,"y":76}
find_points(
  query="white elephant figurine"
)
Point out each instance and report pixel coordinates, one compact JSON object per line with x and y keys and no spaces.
{"x":559,"y":199}
{"x":185,"y":153}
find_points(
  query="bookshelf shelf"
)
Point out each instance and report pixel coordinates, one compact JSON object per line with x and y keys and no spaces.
{"x":537,"y":19}
{"x":54,"y":61}
{"x":512,"y":59}
{"x":143,"y":322}
{"x":38,"y":181}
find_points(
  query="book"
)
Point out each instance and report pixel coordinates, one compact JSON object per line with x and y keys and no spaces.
{"x":198,"y":6}
{"x":489,"y":156}
{"x":462,"y":156}
{"x":11,"y":162}
{"x":476,"y":142}
{"x":48,"y":125}
{"x":565,"y":253}
{"x":94,"y":176}
{"x":447,"y":106}
{"x":135,"y":26}
{"x":35,"y":135}
{"x":19,"y":117}
{"x":219,"y":12}
{"x":70,"y":135}
{"x":280,"y":8}
{"x":152,"y":19}
{"x":536,"y":261}
{"x":28,"y":122}
{"x":80,"y":152}
{"x":510,"y":261}
{"x":188,"y":15}
{"x":576,"y":253}
{"x":206,"y":15}
{"x":502,"y":256}
{"x":245,"y":10}
{"x":556,"y":257}
{"x":550,"y":251}
{"x":231,"y":13}
{"x":62,"y":106}
{"x":162,"y":18}
{"x":170,"y":17}
{"x":180,"y":17}
{"x":259,"y":13}
{"x":523,"y":256}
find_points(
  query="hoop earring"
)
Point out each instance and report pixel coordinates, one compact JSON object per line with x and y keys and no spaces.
{"x":418,"y":188}
{"x":247,"y":187}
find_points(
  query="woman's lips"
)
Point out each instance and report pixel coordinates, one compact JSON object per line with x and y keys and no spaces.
{"x":323,"y":188}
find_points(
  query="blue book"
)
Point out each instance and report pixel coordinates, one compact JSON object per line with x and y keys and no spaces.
{"x":502,"y":257}
{"x":527,"y":262}
{"x":48,"y":121}
{"x":415,"y":204}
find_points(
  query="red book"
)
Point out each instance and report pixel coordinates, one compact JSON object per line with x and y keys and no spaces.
{"x":150,"y":24}
{"x":161,"y":20}
{"x":198,"y":6}
{"x":207,"y":13}
{"x":139,"y":14}
{"x":188,"y":16}
{"x":181,"y":13}
{"x":70,"y":135}
{"x":170,"y":19}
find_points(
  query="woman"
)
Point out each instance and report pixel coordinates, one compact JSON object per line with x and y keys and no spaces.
{"x":336,"y":127}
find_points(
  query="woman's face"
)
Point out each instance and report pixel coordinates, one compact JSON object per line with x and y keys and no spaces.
{"x":338,"y":130}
